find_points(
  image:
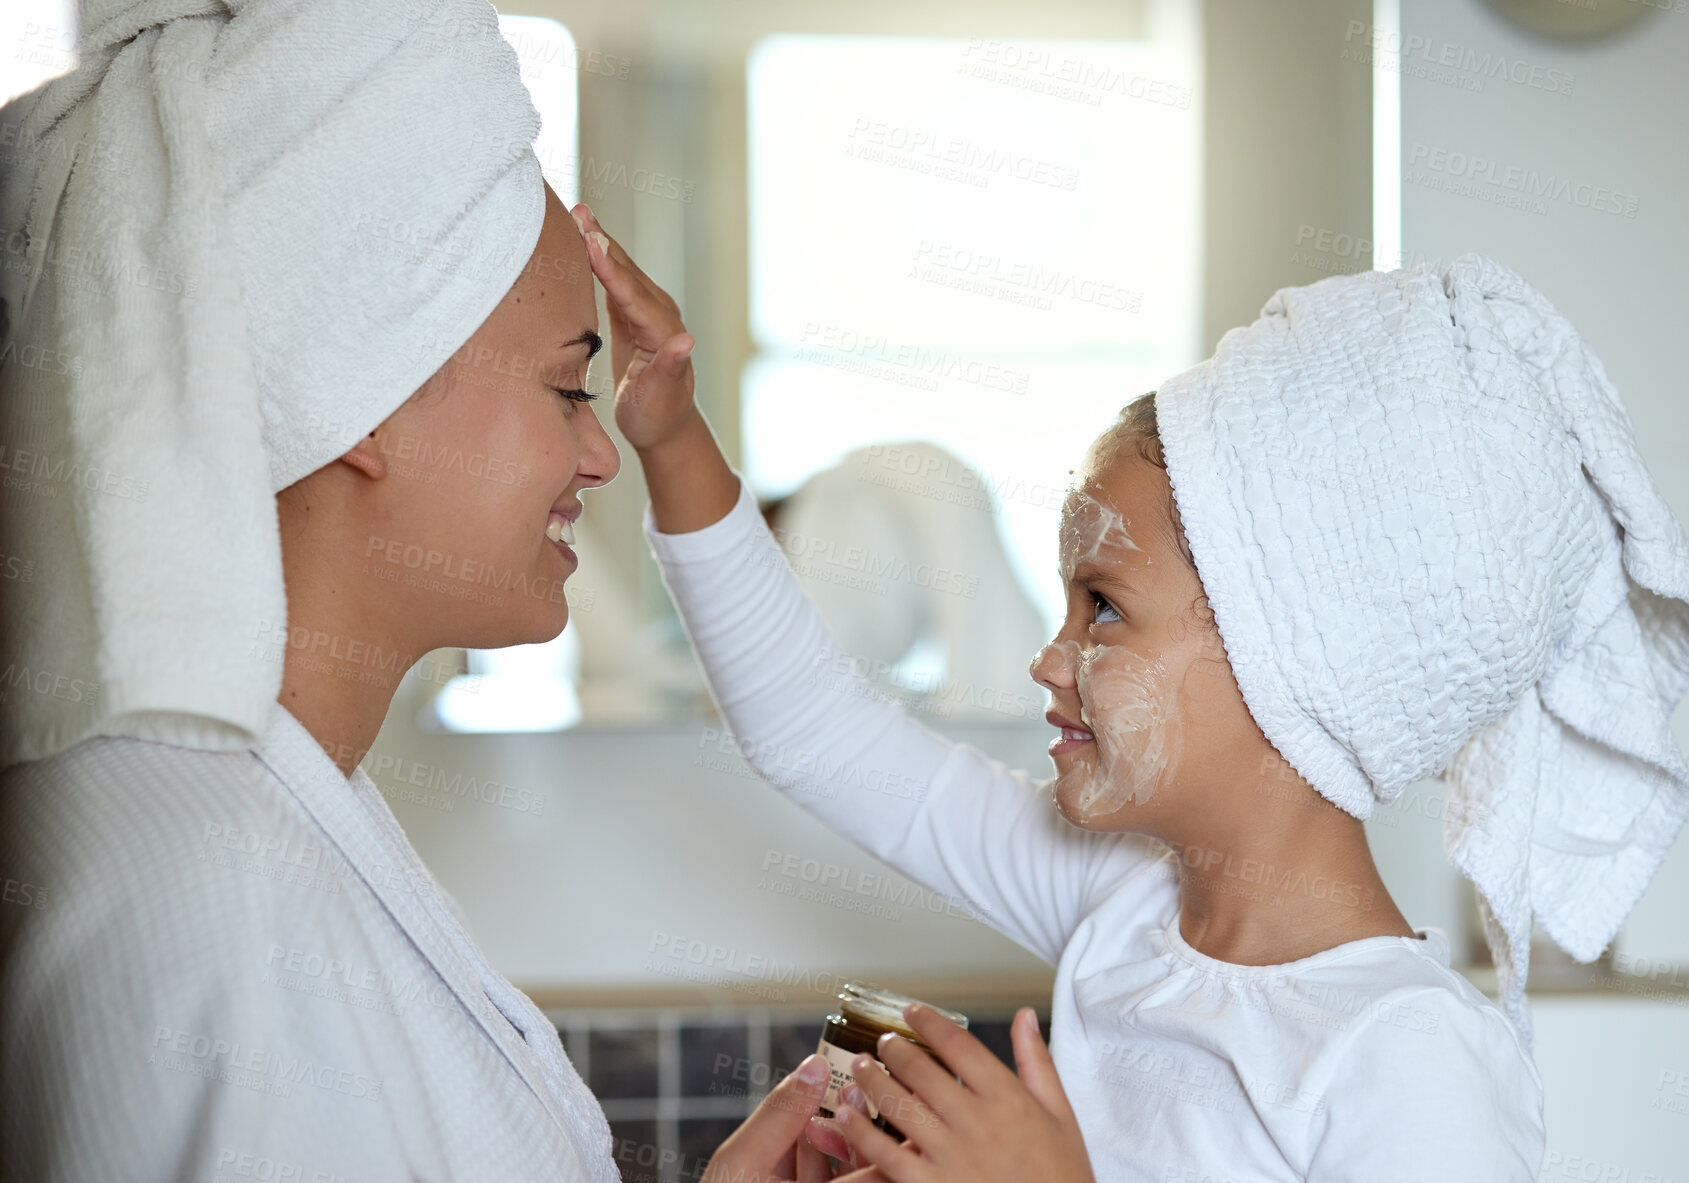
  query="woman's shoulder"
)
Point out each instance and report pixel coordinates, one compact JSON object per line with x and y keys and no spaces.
{"x":201,"y":950}
{"x":140,"y":852}
{"x":117,"y":809}
{"x":104,"y":770}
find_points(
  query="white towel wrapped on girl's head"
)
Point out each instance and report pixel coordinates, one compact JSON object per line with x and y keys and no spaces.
{"x":1432,"y":550}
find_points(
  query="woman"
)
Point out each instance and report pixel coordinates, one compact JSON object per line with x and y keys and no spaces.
{"x":319,"y":338}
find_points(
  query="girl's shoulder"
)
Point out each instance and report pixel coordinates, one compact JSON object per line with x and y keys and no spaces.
{"x":1386,"y":998}
{"x":1429,"y":1071}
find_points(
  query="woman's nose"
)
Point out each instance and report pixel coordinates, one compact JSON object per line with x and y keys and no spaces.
{"x":1052,"y":666}
{"x":600,"y":458}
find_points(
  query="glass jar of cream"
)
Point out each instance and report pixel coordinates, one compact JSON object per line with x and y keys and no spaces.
{"x":867,"y":1012}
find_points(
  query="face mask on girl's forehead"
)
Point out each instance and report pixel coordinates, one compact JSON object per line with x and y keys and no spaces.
{"x":1094,"y":532}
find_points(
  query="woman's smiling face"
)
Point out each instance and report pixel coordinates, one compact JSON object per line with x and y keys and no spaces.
{"x":507,"y":442}
{"x":1152,"y":718}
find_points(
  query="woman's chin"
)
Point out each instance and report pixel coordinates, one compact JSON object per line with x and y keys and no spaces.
{"x":552,"y":626}
{"x":537,"y":628}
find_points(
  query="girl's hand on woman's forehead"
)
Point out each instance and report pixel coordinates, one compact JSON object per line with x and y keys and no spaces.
{"x":650,"y":349}
{"x":989,"y":1126}
{"x":690,"y":483}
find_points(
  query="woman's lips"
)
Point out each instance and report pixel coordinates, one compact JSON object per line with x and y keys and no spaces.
{"x":561,"y":531}
{"x":559,"y":528}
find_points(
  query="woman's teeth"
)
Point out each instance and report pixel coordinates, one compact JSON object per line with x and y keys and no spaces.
{"x":560,"y":529}
{"x":1075,"y":733}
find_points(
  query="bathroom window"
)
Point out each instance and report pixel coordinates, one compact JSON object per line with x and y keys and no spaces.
{"x":980,"y":248}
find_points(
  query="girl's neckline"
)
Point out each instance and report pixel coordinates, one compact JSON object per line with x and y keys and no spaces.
{"x":1429,"y":941}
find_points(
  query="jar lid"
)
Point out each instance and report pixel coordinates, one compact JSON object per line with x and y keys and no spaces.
{"x":880,"y":1007}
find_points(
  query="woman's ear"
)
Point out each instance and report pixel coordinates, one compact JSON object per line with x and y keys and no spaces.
{"x":366,"y":457}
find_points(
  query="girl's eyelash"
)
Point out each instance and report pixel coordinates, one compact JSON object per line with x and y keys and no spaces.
{"x":576,"y":396}
{"x":1099,"y":601}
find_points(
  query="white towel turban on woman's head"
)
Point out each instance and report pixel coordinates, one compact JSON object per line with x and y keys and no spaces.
{"x":1432,"y":550}
{"x":236,"y":238}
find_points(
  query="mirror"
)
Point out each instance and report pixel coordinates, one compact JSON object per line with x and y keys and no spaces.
{"x":912,"y":316}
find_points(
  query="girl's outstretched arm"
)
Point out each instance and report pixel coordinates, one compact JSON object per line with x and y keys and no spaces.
{"x":988,"y":841}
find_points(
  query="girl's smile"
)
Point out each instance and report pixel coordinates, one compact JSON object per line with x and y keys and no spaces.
{"x":1072,"y":735}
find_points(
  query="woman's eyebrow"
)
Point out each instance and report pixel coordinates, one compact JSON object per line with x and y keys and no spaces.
{"x":590,"y":339}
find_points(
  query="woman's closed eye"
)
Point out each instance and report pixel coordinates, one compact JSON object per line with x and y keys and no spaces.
{"x":575,"y":396}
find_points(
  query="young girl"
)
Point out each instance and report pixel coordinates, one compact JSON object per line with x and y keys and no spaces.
{"x":1254,"y":651}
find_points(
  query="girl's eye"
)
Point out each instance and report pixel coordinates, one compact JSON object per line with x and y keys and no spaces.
{"x":576,"y":396}
{"x":1103,"y":606}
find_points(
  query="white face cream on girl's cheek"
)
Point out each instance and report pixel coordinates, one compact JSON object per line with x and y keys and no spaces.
{"x":1127,"y":701}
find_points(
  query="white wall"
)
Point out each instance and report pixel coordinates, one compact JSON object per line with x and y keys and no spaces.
{"x":1614,"y":1073}
{"x":1610,"y":1066}
{"x":1618,"y":278}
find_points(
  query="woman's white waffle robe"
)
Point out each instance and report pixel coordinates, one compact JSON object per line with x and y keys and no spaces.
{"x":233,"y":965}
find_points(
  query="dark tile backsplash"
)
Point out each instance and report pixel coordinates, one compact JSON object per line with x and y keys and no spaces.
{"x":623,"y":1063}
{"x":790,"y":1043}
{"x":699,"y":1137}
{"x":637,"y":1151}
{"x":714,"y":1060}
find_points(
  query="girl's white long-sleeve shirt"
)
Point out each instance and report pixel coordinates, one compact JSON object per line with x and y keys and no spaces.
{"x":1370,"y":1062}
